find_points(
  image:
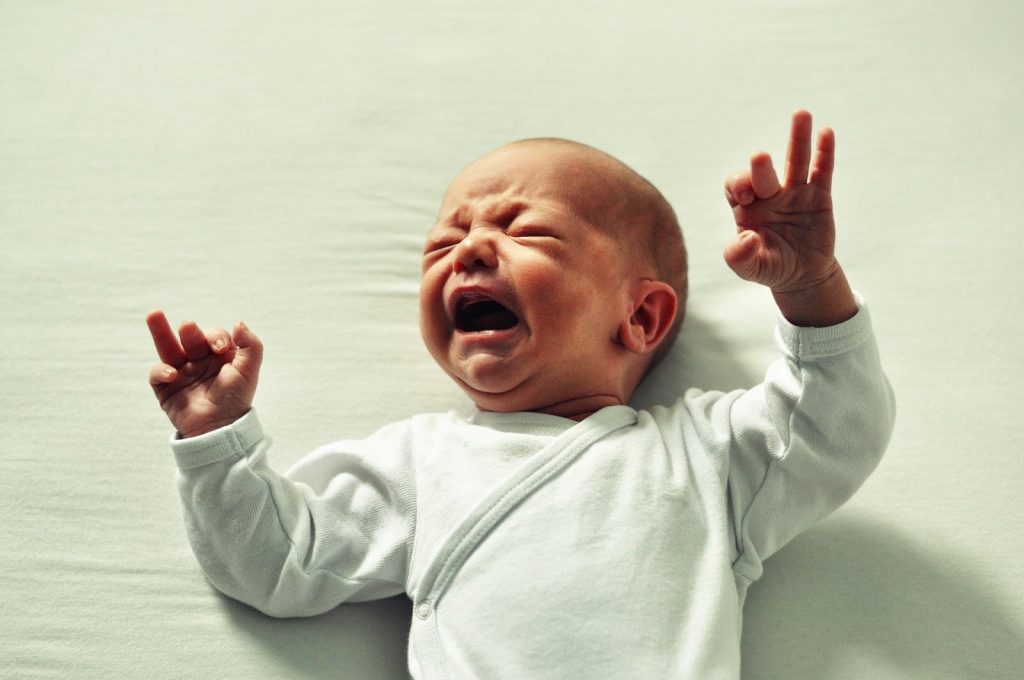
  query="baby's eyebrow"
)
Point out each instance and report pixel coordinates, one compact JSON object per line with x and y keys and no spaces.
{"x":449,"y":219}
{"x":500,"y":211}
{"x":453,"y":218}
{"x":504,"y":211}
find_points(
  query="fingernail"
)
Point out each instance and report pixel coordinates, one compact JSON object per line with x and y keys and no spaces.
{"x":746,"y":197}
{"x":167,"y":373}
{"x":218,"y":344}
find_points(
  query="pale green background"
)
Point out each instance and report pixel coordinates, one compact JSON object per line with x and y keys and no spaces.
{"x":279,"y":162}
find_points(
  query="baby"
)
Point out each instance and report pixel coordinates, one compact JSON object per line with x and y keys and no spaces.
{"x":557,"y":532}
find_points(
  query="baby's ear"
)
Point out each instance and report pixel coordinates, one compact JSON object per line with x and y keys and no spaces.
{"x":654,"y":305}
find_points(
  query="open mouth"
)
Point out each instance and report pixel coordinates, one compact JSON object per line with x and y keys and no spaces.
{"x":478,"y":313}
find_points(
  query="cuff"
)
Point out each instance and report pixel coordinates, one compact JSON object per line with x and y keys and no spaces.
{"x":809,"y":343}
{"x":230,"y":441}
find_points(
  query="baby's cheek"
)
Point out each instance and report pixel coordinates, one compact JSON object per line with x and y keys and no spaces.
{"x":431,"y":289}
{"x":432,"y":316}
{"x":541,"y":279}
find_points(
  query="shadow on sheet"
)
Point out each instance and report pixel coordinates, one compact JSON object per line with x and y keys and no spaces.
{"x":702,"y":358}
{"x":365,"y":640}
{"x":854,"y":598}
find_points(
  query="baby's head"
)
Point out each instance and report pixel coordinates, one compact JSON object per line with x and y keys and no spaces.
{"x":553,"y":281}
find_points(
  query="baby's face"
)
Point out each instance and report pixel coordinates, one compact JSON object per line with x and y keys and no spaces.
{"x":522,"y":295}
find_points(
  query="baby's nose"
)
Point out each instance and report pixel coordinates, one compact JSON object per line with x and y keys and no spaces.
{"x":475,"y":251}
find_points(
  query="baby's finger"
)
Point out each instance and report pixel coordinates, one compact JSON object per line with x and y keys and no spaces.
{"x":798,"y":158}
{"x":824,"y":161}
{"x":762,"y":176}
{"x":219,"y":341}
{"x":161,"y":374}
{"x":193,"y":341}
{"x":167,"y":346}
{"x":739,"y":190}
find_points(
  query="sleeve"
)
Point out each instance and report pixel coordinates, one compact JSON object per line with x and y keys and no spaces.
{"x":798,"y":446}
{"x":337,"y":527}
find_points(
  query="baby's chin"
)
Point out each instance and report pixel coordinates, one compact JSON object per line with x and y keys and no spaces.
{"x":573,"y":408}
{"x":500,"y":391}
{"x":495,"y":393}
{"x":534,"y":397}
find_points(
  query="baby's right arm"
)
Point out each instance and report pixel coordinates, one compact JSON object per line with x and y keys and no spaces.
{"x":203,"y":381}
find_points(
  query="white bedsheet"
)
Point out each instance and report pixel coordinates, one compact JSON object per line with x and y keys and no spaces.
{"x":280,"y":163}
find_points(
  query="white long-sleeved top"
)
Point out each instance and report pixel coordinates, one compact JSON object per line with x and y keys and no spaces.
{"x":533,"y":546}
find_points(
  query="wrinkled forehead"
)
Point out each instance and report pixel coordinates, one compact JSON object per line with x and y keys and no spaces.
{"x":578,"y":179}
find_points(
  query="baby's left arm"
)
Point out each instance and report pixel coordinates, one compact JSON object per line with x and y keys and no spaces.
{"x":786,"y":232}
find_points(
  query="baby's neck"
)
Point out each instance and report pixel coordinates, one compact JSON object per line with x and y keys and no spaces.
{"x":581,"y":408}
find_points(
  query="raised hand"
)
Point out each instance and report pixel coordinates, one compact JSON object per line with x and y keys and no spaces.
{"x":786,"y":234}
{"x":203,"y":380}
{"x":785,"y":231}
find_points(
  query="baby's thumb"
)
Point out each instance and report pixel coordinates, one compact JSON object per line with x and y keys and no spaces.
{"x":249,"y":349}
{"x":741,"y":254}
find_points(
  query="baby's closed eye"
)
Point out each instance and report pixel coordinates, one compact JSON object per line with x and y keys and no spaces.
{"x":531,"y":230}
